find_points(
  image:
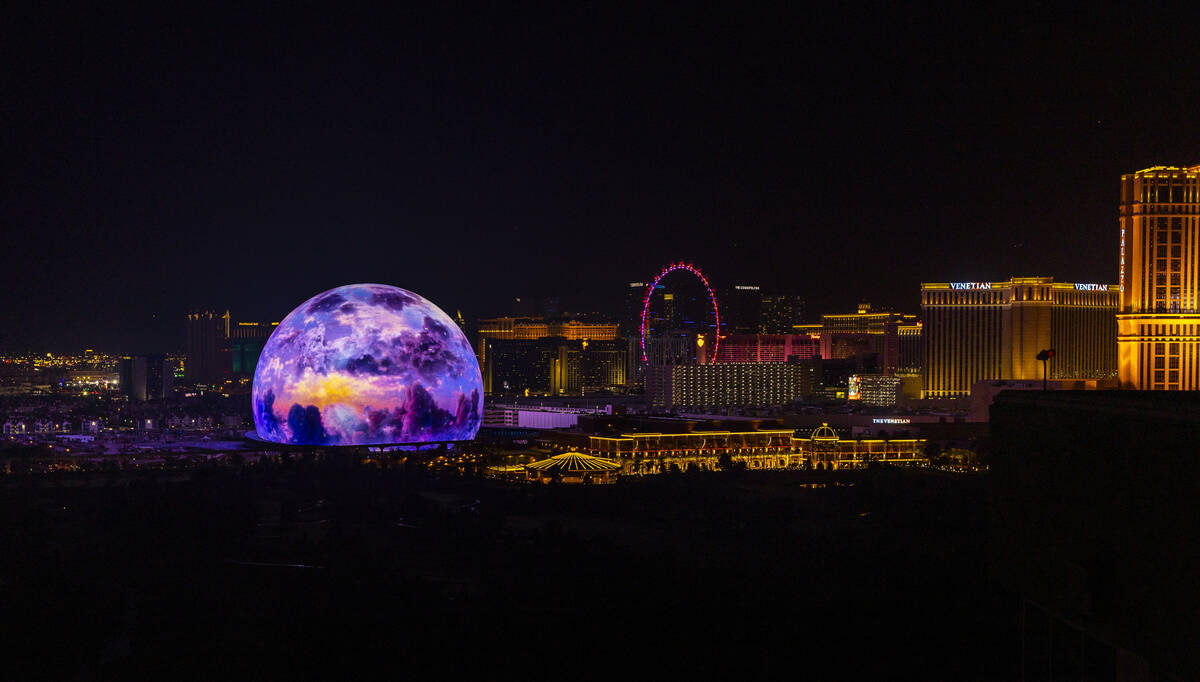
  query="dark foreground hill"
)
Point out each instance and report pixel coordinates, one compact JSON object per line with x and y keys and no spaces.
{"x":330,"y":569}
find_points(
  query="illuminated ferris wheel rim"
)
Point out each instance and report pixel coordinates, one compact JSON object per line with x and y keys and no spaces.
{"x":711,"y":296}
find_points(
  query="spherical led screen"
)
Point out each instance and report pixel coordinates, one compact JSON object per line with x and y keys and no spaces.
{"x":367,"y":364}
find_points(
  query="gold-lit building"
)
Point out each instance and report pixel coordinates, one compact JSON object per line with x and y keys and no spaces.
{"x":975,"y":331}
{"x":549,"y":356}
{"x":1159,"y":321}
{"x":867,"y":332}
{"x":766,"y":449}
{"x":531,"y":328}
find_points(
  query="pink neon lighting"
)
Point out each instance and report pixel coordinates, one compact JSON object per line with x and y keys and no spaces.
{"x":713,"y":297}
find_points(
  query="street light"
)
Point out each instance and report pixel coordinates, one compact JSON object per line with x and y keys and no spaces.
{"x":1045,"y":355}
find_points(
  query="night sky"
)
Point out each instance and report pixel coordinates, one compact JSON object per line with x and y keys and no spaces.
{"x":156,"y":163}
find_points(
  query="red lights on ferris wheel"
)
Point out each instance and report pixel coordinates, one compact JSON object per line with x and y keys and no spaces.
{"x":711,"y":296}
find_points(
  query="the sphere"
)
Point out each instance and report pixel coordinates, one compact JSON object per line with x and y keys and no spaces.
{"x":367,"y":364}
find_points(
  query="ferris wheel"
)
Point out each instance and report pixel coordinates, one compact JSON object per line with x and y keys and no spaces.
{"x":711,"y":297}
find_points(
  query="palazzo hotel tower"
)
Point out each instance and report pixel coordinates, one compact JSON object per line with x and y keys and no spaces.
{"x":1158,"y":338}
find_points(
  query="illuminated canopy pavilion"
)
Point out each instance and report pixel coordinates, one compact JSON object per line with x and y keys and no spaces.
{"x":573,"y":467}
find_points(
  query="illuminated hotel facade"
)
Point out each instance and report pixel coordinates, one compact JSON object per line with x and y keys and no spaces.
{"x":1158,"y":335}
{"x":766,"y":449}
{"x":868,"y":332}
{"x":536,"y":329}
{"x":768,"y":347}
{"x":975,"y":331}
{"x":728,"y":384}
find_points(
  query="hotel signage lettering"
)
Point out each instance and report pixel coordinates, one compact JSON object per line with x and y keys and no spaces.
{"x":970,"y":285}
{"x":1091,"y":287}
{"x":892,"y":420}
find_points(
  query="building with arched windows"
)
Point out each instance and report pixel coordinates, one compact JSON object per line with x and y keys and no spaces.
{"x":1159,"y":321}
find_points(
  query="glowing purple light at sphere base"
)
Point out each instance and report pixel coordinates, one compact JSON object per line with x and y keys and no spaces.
{"x":711,"y":296}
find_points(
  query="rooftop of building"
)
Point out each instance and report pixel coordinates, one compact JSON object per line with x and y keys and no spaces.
{"x":1020,"y":281}
{"x":1168,"y":169}
{"x":1184,"y":405}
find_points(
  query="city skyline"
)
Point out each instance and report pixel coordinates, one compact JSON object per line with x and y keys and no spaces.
{"x":336,"y":344}
{"x":477,"y":157}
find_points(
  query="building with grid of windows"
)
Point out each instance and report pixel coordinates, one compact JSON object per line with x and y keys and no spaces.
{"x":909,"y":349}
{"x":768,"y":347}
{"x":880,"y":390}
{"x":976,"y":331}
{"x":532,"y":328}
{"x":865,"y":333}
{"x":780,"y":313}
{"x":553,"y":366}
{"x":728,"y":384}
{"x":1159,"y":321}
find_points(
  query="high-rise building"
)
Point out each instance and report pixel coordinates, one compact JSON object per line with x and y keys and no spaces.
{"x":1159,"y":320}
{"x":780,"y":314}
{"x":909,"y":356}
{"x":245,"y":343}
{"x":728,"y":384}
{"x":767,"y":347}
{"x":631,"y":313}
{"x":219,"y":348}
{"x":531,"y":328}
{"x":553,"y":365}
{"x":972,"y":331}
{"x":880,"y":390}
{"x":741,"y":309}
{"x":206,"y":335}
{"x":865,"y":333}
{"x":146,"y":377}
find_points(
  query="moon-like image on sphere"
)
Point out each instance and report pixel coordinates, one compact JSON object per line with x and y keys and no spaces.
{"x":367,"y":364}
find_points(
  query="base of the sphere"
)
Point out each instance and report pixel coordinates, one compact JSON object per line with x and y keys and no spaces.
{"x":259,"y":441}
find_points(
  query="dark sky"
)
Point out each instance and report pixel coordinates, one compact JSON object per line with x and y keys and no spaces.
{"x":155,"y":163}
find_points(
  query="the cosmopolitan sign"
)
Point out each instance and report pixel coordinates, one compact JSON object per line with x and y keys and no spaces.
{"x":1091,"y":287}
{"x":970,"y":285}
{"x":891,"y":420}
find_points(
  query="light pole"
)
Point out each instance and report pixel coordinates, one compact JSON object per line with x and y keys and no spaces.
{"x":1044,"y":356}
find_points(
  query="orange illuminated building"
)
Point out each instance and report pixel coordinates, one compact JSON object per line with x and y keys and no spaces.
{"x":1158,"y":335}
{"x":531,"y":328}
{"x":766,"y":449}
{"x":977,"y":331}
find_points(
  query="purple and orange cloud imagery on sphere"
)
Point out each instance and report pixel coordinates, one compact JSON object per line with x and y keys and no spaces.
{"x":367,"y":364}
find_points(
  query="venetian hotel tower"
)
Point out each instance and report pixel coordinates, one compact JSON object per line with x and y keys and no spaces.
{"x":1158,"y":325}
